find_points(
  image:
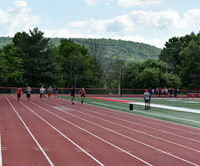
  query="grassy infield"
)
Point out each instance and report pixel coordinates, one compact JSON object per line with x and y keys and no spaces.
{"x":185,"y":118}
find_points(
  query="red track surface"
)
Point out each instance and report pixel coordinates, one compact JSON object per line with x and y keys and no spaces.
{"x":62,"y":134}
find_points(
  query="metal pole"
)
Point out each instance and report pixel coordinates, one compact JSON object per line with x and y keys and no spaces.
{"x":121,"y":82}
{"x":160,"y":78}
{"x":82,"y":78}
{"x":198,"y":83}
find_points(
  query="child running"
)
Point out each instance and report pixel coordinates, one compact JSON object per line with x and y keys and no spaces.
{"x":28,"y":93}
{"x":83,"y":93}
{"x":19,"y":92}
{"x":41,"y":93}
{"x":72,"y":93}
{"x":50,"y":90}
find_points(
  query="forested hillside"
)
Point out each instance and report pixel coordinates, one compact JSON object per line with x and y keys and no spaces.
{"x":126,"y":49}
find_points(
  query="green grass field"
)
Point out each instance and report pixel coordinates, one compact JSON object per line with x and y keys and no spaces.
{"x":186,"y":118}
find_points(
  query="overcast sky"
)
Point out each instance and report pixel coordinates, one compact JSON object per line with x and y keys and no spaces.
{"x":148,"y":21}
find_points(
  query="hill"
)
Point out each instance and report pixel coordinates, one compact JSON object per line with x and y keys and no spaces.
{"x":128,"y":49}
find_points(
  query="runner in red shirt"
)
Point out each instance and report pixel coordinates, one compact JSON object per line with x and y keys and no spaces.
{"x":19,"y":92}
{"x":82,"y":94}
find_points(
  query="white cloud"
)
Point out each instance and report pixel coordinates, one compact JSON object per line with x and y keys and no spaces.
{"x":192,"y":17}
{"x":154,"y":42}
{"x":93,"y":2}
{"x":61,"y":33}
{"x":137,"y":20}
{"x":117,"y":24}
{"x":78,"y":24}
{"x":18,"y":17}
{"x":143,"y":3}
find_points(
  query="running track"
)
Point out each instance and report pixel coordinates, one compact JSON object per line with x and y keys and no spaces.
{"x":43,"y":133}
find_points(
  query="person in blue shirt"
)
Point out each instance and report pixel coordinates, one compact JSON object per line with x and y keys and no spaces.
{"x":55,"y":91}
{"x":72,"y":93}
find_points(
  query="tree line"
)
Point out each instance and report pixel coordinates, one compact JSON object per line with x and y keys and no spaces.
{"x":33,"y":60}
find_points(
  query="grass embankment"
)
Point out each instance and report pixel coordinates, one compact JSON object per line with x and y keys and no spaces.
{"x":185,"y":118}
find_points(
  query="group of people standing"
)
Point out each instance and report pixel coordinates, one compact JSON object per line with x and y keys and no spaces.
{"x":164,"y":92}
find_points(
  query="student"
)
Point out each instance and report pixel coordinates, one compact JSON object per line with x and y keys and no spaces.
{"x":19,"y":92}
{"x":72,"y":93}
{"x":153,"y":91}
{"x":55,"y":91}
{"x":150,"y":90}
{"x":42,"y":93}
{"x":28,"y":93}
{"x":50,"y":90}
{"x":147,"y":97}
{"x":82,"y":94}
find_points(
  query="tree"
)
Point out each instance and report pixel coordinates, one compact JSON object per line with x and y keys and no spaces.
{"x":97,"y":51}
{"x":150,"y":73}
{"x":14,"y":65}
{"x":38,"y":54}
{"x":115,"y":68}
{"x":190,"y":62}
{"x":3,"y":68}
{"x":74,"y":60}
{"x":171,"y":53}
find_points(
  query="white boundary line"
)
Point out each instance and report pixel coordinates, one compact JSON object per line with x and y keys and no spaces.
{"x":113,"y":132}
{"x":128,"y":113}
{"x":88,"y":132}
{"x":61,"y":133}
{"x":166,"y":132}
{"x":1,"y":161}
{"x":50,"y":162}
{"x":149,"y":113}
{"x":138,"y":130}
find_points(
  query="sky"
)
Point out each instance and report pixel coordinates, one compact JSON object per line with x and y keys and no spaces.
{"x":146,"y":21}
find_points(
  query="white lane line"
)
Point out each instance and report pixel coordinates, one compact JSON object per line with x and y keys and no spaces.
{"x":114,"y":132}
{"x":150,"y":113}
{"x":113,"y":110}
{"x":62,"y":134}
{"x":166,"y":132}
{"x":1,"y":162}
{"x":140,"y":125}
{"x":50,"y":162}
{"x":138,"y":131}
{"x":90,"y":132}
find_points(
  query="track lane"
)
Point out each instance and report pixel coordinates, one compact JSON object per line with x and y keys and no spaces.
{"x":111,"y":155}
{"x":61,"y":151}
{"x":169,"y":127}
{"x":184,"y":139}
{"x":98,"y":129}
{"x":17,"y":144}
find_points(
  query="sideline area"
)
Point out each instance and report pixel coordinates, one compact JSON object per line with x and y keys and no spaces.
{"x":182,"y":109}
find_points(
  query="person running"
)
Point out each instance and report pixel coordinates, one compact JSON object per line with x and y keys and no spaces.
{"x":42,"y":93}
{"x":83,"y":93}
{"x":28,"y":93}
{"x":55,"y":91}
{"x":19,"y":92}
{"x":72,"y":93}
{"x":147,"y":97}
{"x":50,"y":90}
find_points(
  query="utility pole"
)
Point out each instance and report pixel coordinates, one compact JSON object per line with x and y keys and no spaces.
{"x":82,"y":78}
{"x":198,"y":83}
{"x":121,"y":82}
{"x":160,"y":78}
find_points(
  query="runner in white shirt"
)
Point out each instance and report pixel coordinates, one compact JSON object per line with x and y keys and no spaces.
{"x":42,"y":92}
